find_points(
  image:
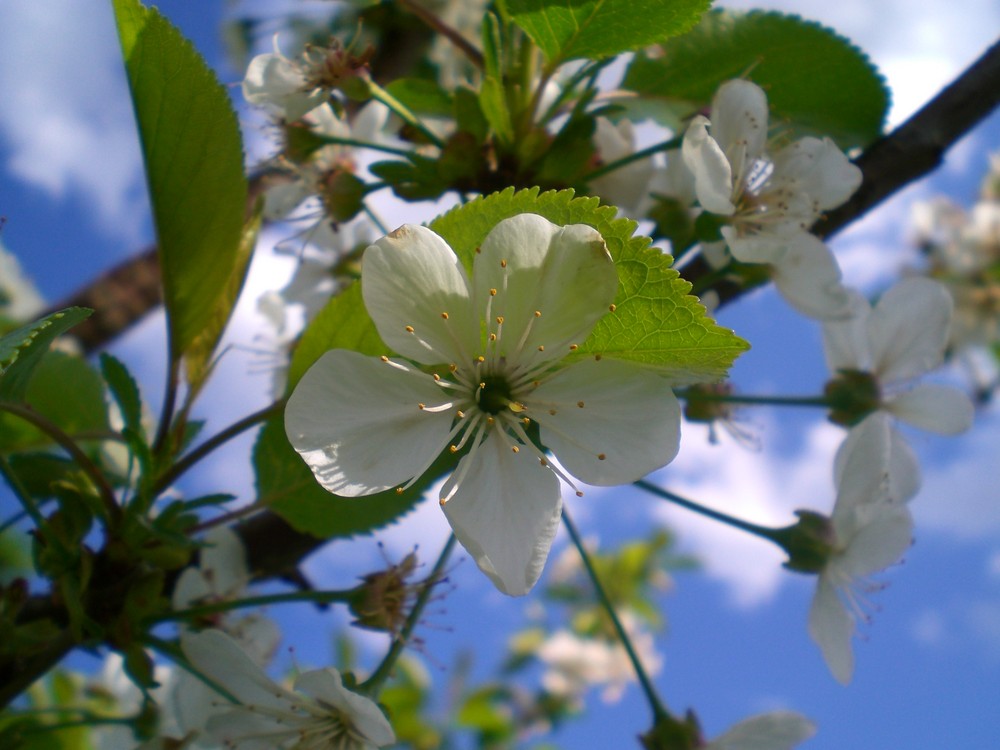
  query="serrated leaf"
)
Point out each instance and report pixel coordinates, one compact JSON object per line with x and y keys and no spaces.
{"x":22,"y":349}
{"x":815,"y":79}
{"x":194,"y":165}
{"x":124,"y":390}
{"x":65,"y":390}
{"x":656,"y":322}
{"x":287,"y":486}
{"x":422,"y":96}
{"x":197,"y":358}
{"x":570,"y":29}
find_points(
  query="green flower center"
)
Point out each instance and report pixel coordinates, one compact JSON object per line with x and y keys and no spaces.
{"x":494,"y":394}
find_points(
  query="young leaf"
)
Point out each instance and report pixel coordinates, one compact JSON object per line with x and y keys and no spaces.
{"x":815,"y":79}
{"x":656,"y":322}
{"x":194,"y":166}
{"x":125,"y":392}
{"x":22,"y":349}
{"x":601,"y":28}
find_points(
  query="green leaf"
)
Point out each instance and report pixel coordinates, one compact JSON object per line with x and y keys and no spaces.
{"x":655,"y":322}
{"x":422,"y":96}
{"x":815,"y":79}
{"x":493,"y":100}
{"x":197,"y":358}
{"x":125,"y":392}
{"x":287,"y":486}
{"x":22,"y":349}
{"x":67,"y":391}
{"x":569,"y":29}
{"x":194,"y":166}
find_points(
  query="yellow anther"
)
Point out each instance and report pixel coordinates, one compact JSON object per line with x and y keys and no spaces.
{"x":525,"y":421}
{"x":598,"y":357}
{"x":538,"y":313}
{"x":573,"y":347}
{"x":612,"y":308}
{"x":384,"y":358}
{"x":453,"y":448}
{"x":452,"y":367}
{"x":480,"y":359}
{"x":515,"y":449}
{"x":436,"y":376}
{"x":444,"y":315}
{"x":409,"y":329}
{"x":601,"y":456}
{"x":399,"y":490}
{"x":490,"y":420}
{"x":460,"y":414}
{"x":580,"y":404}
{"x":579,"y":494}
{"x":421,"y":406}
{"x":503,"y":263}
{"x":493,"y":292}
{"x":543,"y":462}
{"x":552,"y":412}
{"x":493,"y":337}
{"x":541,"y":348}
{"x":499,"y":320}
{"x":516,"y":406}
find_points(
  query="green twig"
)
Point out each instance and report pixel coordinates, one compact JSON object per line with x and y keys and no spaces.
{"x":765,"y":532}
{"x":50,"y":428}
{"x":735,"y":398}
{"x":380,"y":94}
{"x":355,"y":143}
{"x":611,"y":166}
{"x":655,"y":702}
{"x":318,"y":597}
{"x":373,"y":684}
{"x":440,"y":27}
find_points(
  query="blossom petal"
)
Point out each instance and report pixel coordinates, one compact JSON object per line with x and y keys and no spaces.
{"x":909,"y":329}
{"x":412,"y":279}
{"x":609,"y":422}
{"x":243,"y":730}
{"x":356,"y":421}
{"x":535,"y":266}
{"x":224,"y":562}
{"x":505,"y":512}
{"x":845,"y":341}
{"x":776,"y":730}
{"x":739,"y":123}
{"x":903,"y":467}
{"x":282,"y":199}
{"x":808,"y":277}
{"x":326,"y":686}
{"x":831,"y":627}
{"x":713,"y":175}
{"x":819,"y":169}
{"x":765,"y":247}
{"x":219,"y":657}
{"x":937,"y":408}
{"x":626,"y":187}
{"x":884,"y":535}
{"x":861,"y":472}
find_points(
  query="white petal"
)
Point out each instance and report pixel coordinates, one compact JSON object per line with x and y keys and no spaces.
{"x":356,"y":421}
{"x":861,"y":471}
{"x":831,"y":627}
{"x":904,"y":469}
{"x":808,"y":277}
{"x":938,"y":408}
{"x":909,"y":329}
{"x":216,"y":655}
{"x":845,"y":341}
{"x":764,"y":247}
{"x":884,"y":535}
{"x":739,"y":123}
{"x":505,"y":513}
{"x":242,"y":730}
{"x":282,"y":199}
{"x":629,"y":416}
{"x":713,"y":175}
{"x":326,"y":686}
{"x":270,"y":77}
{"x":190,"y":587}
{"x":224,"y":562}
{"x":777,"y":730}
{"x":820,"y":169}
{"x":410,"y":278}
{"x":565,"y":273}
{"x":627,"y":187}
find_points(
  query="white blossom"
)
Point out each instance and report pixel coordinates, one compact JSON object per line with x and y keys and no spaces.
{"x":275,"y":81}
{"x":771,"y":198}
{"x":872,"y":528}
{"x":19,"y":298}
{"x":627,"y":188}
{"x":321,"y":714}
{"x":776,"y":730}
{"x":495,"y":344}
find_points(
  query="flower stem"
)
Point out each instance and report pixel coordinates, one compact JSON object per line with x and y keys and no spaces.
{"x":765,"y":532}
{"x":319,"y":597}
{"x":373,"y":684}
{"x":169,"y":404}
{"x":43,"y":423}
{"x":380,"y":94}
{"x":655,"y":702}
{"x":439,"y":26}
{"x":364,"y":144}
{"x":733,"y":398}
{"x":196,"y":454}
{"x":611,"y":166}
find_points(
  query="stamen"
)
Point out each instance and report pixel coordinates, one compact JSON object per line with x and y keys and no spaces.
{"x":573,"y":347}
{"x":444,"y":315}
{"x":612,"y":308}
{"x":409,"y":329}
{"x":580,"y":404}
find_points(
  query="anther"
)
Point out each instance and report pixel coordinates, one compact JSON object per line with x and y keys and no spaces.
{"x":543,"y":462}
{"x":436,"y":376}
{"x":493,"y":337}
{"x":409,"y":329}
{"x":598,"y":357}
{"x":601,"y":456}
{"x":580,"y":404}
{"x":444,"y":315}
{"x":421,"y":406}
{"x":612,"y":308}
{"x":499,"y":320}
{"x":480,"y":359}
{"x":552,"y":412}
{"x":452,"y":367}
{"x":399,"y":490}
{"x":573,"y":347}
{"x":538,"y":313}
{"x":453,"y":448}
{"x":493,"y":292}
{"x":515,"y":449}
{"x":460,"y":414}
{"x":490,"y":420}
{"x":525,"y":421}
{"x":384,"y":358}
{"x":503,"y":263}
{"x":541,"y":348}
{"x":579,"y":494}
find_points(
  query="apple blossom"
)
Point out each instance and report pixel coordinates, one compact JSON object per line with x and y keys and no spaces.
{"x":495,"y":345}
{"x":870,"y":530}
{"x":321,"y":714}
{"x":771,"y":198}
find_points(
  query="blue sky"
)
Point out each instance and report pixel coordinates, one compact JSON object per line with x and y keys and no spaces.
{"x":929,"y":668}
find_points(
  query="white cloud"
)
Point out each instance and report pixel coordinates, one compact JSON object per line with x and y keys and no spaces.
{"x":761,"y":488}
{"x":66,"y":118}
